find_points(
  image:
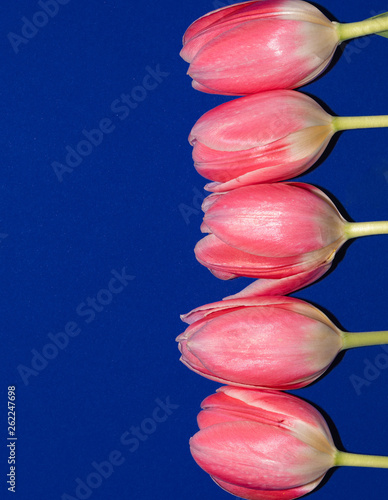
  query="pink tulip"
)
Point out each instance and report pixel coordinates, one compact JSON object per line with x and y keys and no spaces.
{"x":266,"y":137}
{"x":266,"y":342}
{"x":264,"y":45}
{"x":275,"y":231}
{"x":263,"y":445}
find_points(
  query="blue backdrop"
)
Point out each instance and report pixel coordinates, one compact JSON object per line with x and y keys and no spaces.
{"x":97,"y":255}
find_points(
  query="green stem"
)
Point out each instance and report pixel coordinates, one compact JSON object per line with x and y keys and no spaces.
{"x":357,"y":229}
{"x":354,"y":122}
{"x":362,"y":339}
{"x":355,"y":460}
{"x":346,"y":31}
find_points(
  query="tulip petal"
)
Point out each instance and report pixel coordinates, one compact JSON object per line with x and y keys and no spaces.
{"x":275,"y":220}
{"x":208,"y":417}
{"x":227,"y":262}
{"x":215,"y":308}
{"x":298,"y":156}
{"x":215,"y":23}
{"x":264,"y":462}
{"x":209,"y":19}
{"x":257,"y":120}
{"x":252,"y":494}
{"x":209,"y":200}
{"x":222,"y":258}
{"x":202,"y":88}
{"x":244,"y":11}
{"x":192,"y":362}
{"x":282,"y":286}
{"x":276,"y":407}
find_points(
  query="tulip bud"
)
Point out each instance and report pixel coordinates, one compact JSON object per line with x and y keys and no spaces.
{"x":265,"y":342}
{"x":262,"y":445}
{"x":266,"y":137}
{"x":274,"y":342}
{"x":274,"y":231}
{"x":267,"y":445}
{"x":264,"y":45}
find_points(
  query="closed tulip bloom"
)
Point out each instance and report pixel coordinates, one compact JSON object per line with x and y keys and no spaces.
{"x":274,"y":231}
{"x":266,"y":137}
{"x":264,"y":45}
{"x":265,"y":342}
{"x":263,"y":445}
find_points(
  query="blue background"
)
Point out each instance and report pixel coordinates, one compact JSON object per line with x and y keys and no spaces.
{"x":132,"y":206}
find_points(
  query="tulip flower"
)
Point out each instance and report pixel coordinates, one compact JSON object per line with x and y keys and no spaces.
{"x":267,"y":445}
{"x":264,"y":45}
{"x":266,"y":137}
{"x":272,"y":231}
{"x":265,"y":342}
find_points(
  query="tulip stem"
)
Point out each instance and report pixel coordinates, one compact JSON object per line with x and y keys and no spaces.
{"x":357,"y":229}
{"x":363,"y":339}
{"x":347,"y":31}
{"x":355,"y":460}
{"x":355,"y":122}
